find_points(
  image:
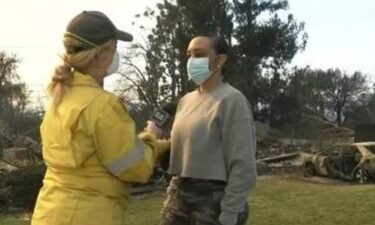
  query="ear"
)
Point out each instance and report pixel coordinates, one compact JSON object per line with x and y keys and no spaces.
{"x":221,"y":60}
{"x":97,"y":56}
{"x":103,"y":53}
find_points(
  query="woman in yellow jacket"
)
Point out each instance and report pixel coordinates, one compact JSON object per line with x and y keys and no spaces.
{"x":89,"y":143}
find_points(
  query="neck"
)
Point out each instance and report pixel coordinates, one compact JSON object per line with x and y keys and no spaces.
{"x":213,"y":82}
{"x":97,"y":75}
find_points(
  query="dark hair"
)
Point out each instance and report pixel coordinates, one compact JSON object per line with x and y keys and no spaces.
{"x":220,"y":46}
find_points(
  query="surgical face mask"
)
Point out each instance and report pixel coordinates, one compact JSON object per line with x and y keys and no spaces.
{"x":113,"y":67}
{"x":198,"y":69}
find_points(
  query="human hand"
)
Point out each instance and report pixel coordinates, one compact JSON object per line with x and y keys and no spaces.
{"x":153,"y":128}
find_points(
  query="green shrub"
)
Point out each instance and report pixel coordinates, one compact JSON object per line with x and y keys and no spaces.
{"x":24,"y":186}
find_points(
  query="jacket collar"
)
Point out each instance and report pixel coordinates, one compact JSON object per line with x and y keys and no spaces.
{"x":81,"y":79}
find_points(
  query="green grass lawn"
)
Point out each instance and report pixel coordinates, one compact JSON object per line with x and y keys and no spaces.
{"x":13,"y":220}
{"x":280,"y":201}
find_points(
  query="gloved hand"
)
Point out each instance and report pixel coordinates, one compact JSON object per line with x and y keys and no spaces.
{"x":153,"y":128}
{"x":162,"y":147}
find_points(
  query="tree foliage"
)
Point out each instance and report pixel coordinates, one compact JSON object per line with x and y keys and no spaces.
{"x":16,"y":117}
{"x":13,"y":96}
{"x":263,"y":39}
{"x":328,"y":94}
{"x":258,"y":42}
{"x":361,"y":111}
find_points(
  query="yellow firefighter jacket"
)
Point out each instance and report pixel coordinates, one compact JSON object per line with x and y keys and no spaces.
{"x":92,"y":154}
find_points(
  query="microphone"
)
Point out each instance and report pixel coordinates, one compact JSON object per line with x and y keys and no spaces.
{"x":162,"y":118}
{"x":163,"y":115}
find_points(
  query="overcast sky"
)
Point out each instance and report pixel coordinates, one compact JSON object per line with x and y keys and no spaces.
{"x":341,"y":32}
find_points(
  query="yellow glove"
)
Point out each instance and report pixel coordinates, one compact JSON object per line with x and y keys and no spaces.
{"x":162,"y":146}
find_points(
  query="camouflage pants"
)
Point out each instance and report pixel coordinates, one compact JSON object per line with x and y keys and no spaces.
{"x":195,"y":202}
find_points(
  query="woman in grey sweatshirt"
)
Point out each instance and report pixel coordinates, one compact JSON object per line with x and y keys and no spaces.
{"x":212,"y":145}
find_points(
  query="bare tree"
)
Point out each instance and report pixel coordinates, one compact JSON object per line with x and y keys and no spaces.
{"x":343,"y":88}
{"x":136,"y":84}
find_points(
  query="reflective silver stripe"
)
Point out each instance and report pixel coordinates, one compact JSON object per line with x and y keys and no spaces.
{"x":129,"y":159}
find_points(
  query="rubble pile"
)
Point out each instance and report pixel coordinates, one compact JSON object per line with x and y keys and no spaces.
{"x":21,"y":171}
{"x":324,"y":132}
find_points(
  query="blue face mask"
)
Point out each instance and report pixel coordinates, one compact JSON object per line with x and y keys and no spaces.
{"x":198,"y":69}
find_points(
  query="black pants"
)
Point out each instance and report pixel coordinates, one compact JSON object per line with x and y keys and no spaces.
{"x":195,"y":202}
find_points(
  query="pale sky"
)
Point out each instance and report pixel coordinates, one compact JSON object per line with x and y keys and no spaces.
{"x":341,"y":32}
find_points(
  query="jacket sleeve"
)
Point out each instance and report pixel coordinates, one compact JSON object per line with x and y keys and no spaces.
{"x":124,"y":154}
{"x":239,"y":143}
